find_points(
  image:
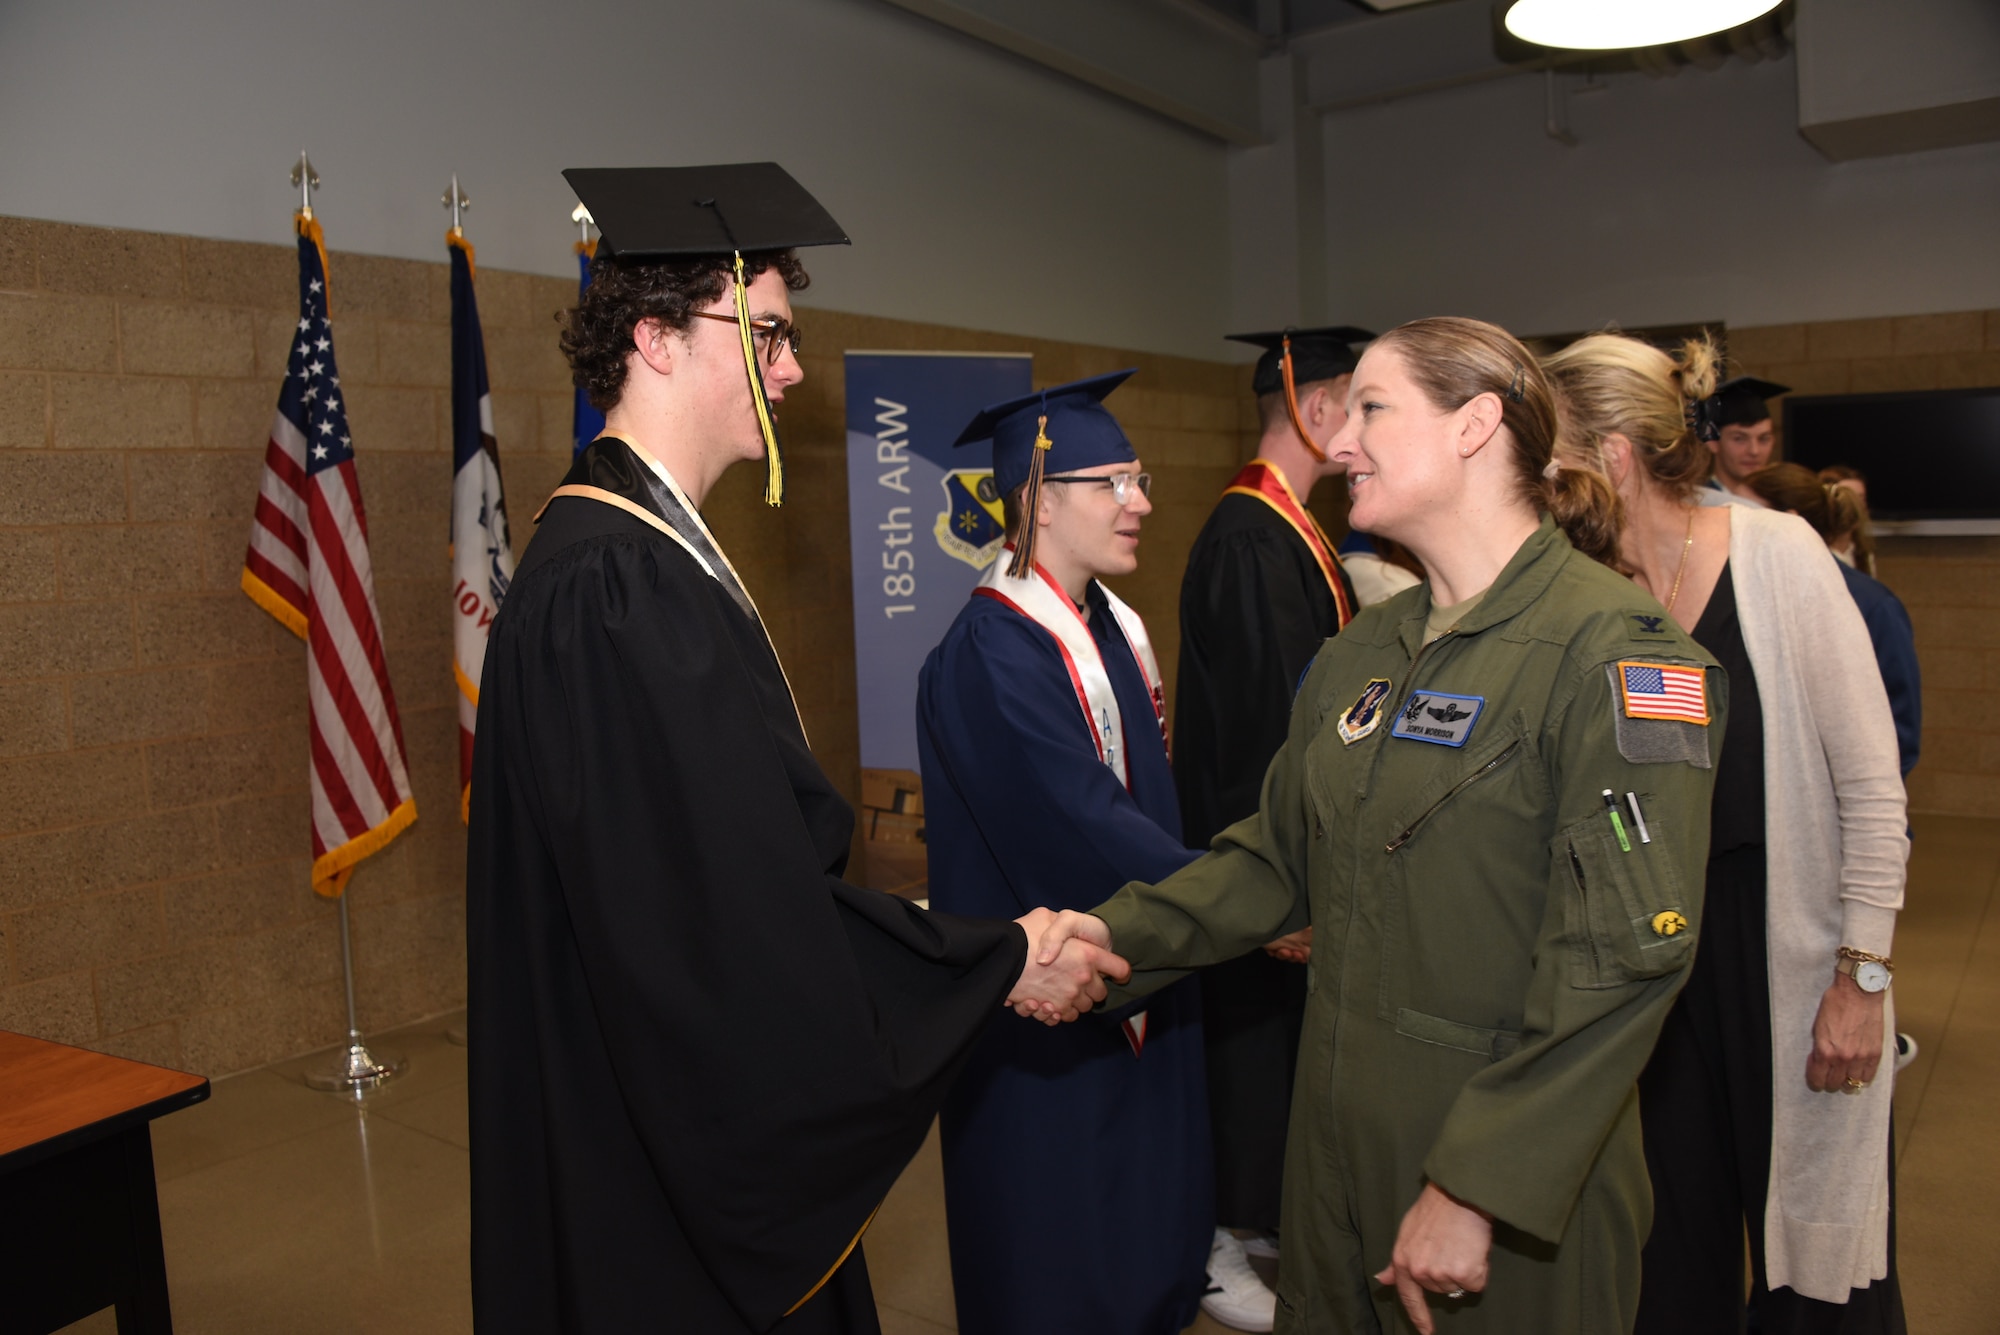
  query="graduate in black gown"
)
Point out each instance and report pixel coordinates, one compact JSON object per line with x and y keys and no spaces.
{"x":698,"y":1058}
{"x":1264,"y":589}
{"x":1041,"y":734}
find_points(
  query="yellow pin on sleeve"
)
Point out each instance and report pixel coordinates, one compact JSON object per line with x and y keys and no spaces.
{"x":1669,"y":923}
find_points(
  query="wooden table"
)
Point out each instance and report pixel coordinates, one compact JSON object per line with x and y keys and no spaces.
{"x":79,"y":1215}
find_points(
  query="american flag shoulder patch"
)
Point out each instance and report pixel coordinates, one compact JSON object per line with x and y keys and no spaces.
{"x":1677,"y":691}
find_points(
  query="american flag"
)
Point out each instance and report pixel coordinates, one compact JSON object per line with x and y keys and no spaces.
{"x":1665,"y":691}
{"x":482,"y":561}
{"x":308,"y":566}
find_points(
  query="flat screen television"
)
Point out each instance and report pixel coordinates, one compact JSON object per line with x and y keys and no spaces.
{"x":1930,"y":456}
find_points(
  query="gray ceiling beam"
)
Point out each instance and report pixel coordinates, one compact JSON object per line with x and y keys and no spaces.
{"x":1172,"y":57}
{"x":1878,"y":79}
{"x":1401,"y":54}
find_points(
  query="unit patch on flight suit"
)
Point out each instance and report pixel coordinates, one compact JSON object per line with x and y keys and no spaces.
{"x":1433,"y":716}
{"x":1366,"y":713}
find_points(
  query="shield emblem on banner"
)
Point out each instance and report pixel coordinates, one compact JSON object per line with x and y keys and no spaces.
{"x":970,"y":526}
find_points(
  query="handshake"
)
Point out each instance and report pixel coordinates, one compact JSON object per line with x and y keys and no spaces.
{"x":1069,"y":957}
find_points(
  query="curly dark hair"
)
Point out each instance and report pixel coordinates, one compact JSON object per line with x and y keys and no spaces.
{"x":597,"y":331}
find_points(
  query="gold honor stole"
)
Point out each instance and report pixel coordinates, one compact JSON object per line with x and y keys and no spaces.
{"x":1267,"y":484}
{"x":1040,"y":599}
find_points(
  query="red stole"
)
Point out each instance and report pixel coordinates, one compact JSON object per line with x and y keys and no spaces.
{"x":1267,"y":484}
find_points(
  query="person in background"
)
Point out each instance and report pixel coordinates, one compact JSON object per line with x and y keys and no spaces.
{"x":1856,"y":545}
{"x":1077,"y":1185}
{"x":1765,"y":1103}
{"x":1833,"y":510}
{"x":1379,"y":569}
{"x":1743,"y":435}
{"x":1264,"y":589}
{"x":1851,"y":538}
{"x":1851,"y":478}
{"x":1495,"y":946}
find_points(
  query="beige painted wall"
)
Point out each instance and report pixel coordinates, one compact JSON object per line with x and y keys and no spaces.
{"x":153,"y":838}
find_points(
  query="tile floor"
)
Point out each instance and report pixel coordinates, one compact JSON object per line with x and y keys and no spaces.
{"x":286,"y":1209}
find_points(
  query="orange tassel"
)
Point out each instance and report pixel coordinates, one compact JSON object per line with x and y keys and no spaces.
{"x":1292,"y":405}
{"x":1023,"y":564}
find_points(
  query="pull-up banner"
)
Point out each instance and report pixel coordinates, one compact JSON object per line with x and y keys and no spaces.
{"x":923,"y":524}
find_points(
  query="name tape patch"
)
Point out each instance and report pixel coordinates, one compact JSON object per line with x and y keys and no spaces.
{"x":1664,"y":691}
{"x":1433,"y":716}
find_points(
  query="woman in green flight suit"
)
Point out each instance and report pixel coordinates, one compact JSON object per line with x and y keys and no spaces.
{"x":1496,"y":940}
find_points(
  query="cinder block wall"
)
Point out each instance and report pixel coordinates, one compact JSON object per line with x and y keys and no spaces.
{"x":1950,"y":585}
{"x":153,"y":837}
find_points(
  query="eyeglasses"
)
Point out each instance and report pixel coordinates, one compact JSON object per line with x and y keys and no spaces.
{"x":775,"y":334}
{"x":1121,"y":484}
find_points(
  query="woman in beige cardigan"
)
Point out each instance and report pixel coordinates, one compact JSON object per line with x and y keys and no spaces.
{"x":1767,"y":1099}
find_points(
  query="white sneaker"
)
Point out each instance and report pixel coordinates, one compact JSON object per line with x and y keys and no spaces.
{"x":1262,"y":1246}
{"x":1236,"y":1297}
{"x":1906,"y":1050}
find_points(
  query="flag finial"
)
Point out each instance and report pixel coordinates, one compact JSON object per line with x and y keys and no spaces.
{"x":457,"y":201}
{"x":305,"y":180}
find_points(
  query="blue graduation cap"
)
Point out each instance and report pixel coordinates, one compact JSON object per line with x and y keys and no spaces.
{"x":1051,"y":431}
{"x":1081,"y":431}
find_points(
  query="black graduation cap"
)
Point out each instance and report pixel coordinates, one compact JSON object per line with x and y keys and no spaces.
{"x":1740,"y":402}
{"x":663,"y":213}
{"x":1317,"y":354}
{"x":658,"y":213}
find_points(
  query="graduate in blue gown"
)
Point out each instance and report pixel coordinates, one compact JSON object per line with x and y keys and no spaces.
{"x":1078,"y":1187}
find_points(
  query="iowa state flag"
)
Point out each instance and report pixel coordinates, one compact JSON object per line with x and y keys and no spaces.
{"x":308,"y":566}
{"x":482,"y":560}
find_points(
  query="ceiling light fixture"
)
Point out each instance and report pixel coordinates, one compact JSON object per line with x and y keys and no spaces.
{"x":1615,"y":25}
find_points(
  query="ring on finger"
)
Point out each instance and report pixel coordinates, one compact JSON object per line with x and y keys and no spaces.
{"x":1456,"y":1293}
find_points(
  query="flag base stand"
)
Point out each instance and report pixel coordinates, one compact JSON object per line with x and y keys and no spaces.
{"x":357,"y":1070}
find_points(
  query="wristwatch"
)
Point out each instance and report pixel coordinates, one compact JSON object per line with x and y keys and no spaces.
{"x":1869,"y":972}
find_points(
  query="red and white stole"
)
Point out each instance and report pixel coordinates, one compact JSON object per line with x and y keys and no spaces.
{"x":1040,"y":599}
{"x":1267,"y":484}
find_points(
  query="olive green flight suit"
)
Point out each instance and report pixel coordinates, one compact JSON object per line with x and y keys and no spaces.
{"x":1490,"y":967}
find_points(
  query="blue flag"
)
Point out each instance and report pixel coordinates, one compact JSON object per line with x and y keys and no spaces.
{"x":585,"y":421}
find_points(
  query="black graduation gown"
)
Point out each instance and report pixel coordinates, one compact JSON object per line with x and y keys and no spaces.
{"x":1254,"y":610}
{"x":699,"y":1059}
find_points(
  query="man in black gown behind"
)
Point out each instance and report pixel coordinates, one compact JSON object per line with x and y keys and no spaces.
{"x":1263,"y":590}
{"x":699,"y":1059}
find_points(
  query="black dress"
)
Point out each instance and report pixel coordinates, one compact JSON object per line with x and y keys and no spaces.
{"x":1705,"y":1097}
{"x":698,"y":1058}
{"x":1255,"y":608}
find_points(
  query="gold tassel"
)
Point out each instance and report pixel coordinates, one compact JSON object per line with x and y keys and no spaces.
{"x":1292,"y":404}
{"x":1031,"y":504}
{"x":774,"y":480}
